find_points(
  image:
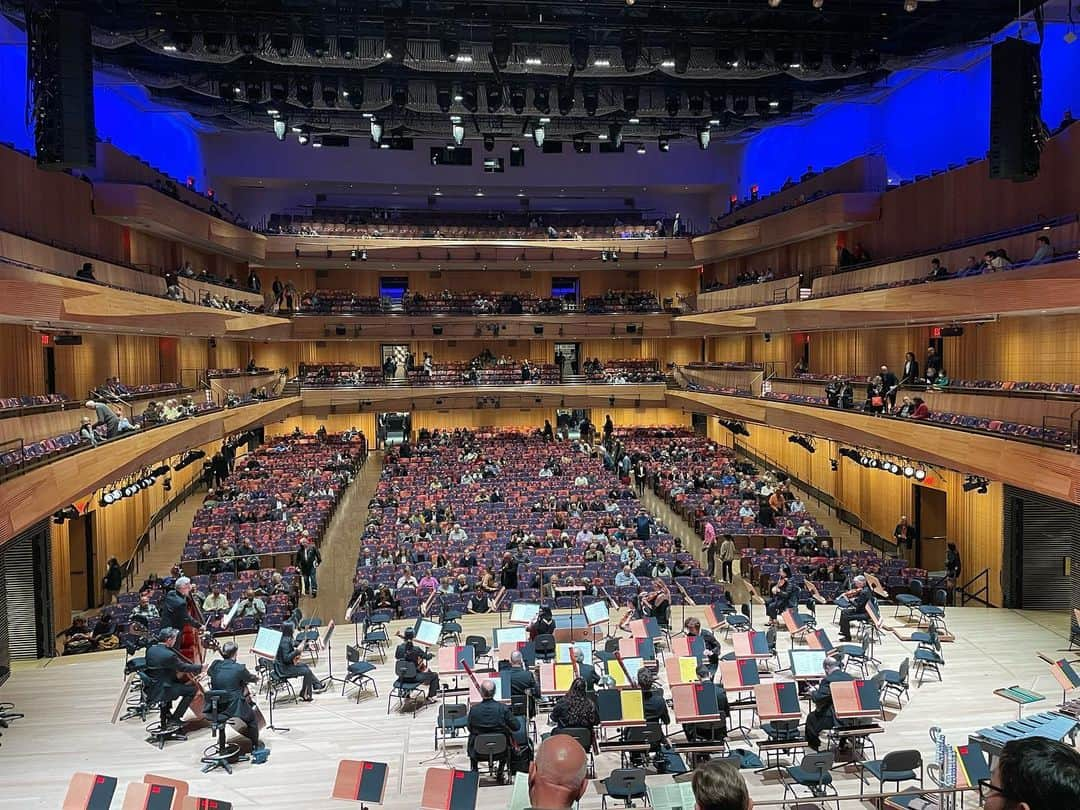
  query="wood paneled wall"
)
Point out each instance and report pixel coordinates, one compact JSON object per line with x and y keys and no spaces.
{"x":799,"y":257}
{"x":1041,"y":349}
{"x":864,"y":351}
{"x":116,"y":530}
{"x":22,"y":370}
{"x":135,"y":359}
{"x":974,"y":522}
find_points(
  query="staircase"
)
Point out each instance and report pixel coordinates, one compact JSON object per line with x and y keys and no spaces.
{"x":574,"y":379}
{"x":291,"y":388}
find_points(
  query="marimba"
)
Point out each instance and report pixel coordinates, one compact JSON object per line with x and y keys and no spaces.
{"x":1049,"y":725}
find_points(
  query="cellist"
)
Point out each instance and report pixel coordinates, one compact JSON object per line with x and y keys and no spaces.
{"x":176,"y":612}
{"x":164,"y":665}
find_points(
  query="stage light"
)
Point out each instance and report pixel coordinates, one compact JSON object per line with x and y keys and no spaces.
{"x":376,"y":131}
{"x":363,"y":255}
{"x":354,"y":254}
{"x":279,"y":129}
{"x":394,"y":42}
{"x":909,"y":471}
{"x":631,"y":49}
{"x":834,"y":465}
{"x":330,"y":92}
{"x":603,"y":255}
{"x":579,"y":49}
{"x":516,"y":148}
{"x":489,"y":142}
{"x":615,"y":134}
{"x":672,"y":102}
{"x":443,"y":98}
{"x":663,"y":144}
{"x":591,"y":99}
{"x":920,"y":475}
{"x":704,"y":137}
{"x":494,"y":98}
{"x":302,"y":138}
{"x":542,"y":100}
{"x":566,"y":99}
{"x":517,"y":100}
{"x":501,"y":46}
{"x":538,"y":136}
{"x":69,"y":512}
{"x":450,"y":46}
{"x":470,"y":98}
{"x":680,"y":52}
{"x":458,"y":133}
{"x":641,"y":149}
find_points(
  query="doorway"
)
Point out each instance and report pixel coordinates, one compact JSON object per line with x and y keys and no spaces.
{"x":392,"y":428}
{"x":568,"y":421}
{"x":567,"y":358}
{"x":50,"y":369}
{"x":396,"y":360}
{"x":83,"y":563}
{"x":931,"y":527}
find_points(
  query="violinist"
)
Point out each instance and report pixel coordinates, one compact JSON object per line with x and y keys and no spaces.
{"x":784,"y":595}
{"x":859,"y":596}
{"x":544,"y":624}
{"x":228,"y":675}
{"x":363,"y":596}
{"x":287,"y":664}
{"x":408,"y":651}
{"x":163,"y":665}
{"x":657,"y":603}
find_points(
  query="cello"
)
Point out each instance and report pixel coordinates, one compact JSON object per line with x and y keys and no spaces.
{"x":190,"y":643}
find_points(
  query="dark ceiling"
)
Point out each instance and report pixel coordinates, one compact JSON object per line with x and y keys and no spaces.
{"x":651,"y":69}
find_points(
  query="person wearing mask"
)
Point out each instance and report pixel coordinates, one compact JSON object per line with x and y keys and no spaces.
{"x":557,"y":775}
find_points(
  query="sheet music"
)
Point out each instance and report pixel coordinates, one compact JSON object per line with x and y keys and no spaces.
{"x":228,"y":617}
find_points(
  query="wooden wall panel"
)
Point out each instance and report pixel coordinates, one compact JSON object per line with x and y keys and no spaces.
{"x":1041,"y":349}
{"x":22,"y":370}
{"x":974,"y":522}
{"x":729,"y":348}
{"x":334,"y":422}
{"x":863,"y":351}
{"x":132,"y":358}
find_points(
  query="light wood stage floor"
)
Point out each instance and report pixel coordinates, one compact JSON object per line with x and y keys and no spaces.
{"x":68,"y":703}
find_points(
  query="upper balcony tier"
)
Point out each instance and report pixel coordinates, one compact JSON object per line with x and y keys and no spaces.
{"x":145,"y":208}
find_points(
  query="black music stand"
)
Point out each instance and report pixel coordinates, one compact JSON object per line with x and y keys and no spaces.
{"x":330,"y":653}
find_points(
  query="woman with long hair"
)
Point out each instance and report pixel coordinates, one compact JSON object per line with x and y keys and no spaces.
{"x":575,"y":709}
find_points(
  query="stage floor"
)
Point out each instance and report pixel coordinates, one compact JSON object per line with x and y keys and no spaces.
{"x":68,"y":703}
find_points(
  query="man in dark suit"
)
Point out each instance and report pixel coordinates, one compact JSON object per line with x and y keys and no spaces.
{"x":523,"y":688}
{"x":308,"y":559}
{"x":904,"y":537}
{"x":229,"y":675}
{"x":174,"y":608}
{"x":692,"y":629}
{"x":823,"y":717}
{"x":163,"y":664}
{"x":490,"y":717}
{"x":408,"y":651}
{"x":586,"y":671}
{"x":889,"y":383}
{"x":857,"y":611}
{"x":287,"y":664}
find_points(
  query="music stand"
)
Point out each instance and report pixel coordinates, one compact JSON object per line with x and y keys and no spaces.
{"x":449,"y":789}
{"x":360,"y":781}
{"x":266,"y":645}
{"x":440,"y":752}
{"x":330,"y":652}
{"x":89,"y":791}
{"x":202,"y":803}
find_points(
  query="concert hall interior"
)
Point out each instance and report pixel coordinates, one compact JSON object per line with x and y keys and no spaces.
{"x":434,"y":404}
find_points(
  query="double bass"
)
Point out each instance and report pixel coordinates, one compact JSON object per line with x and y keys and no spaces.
{"x":190,"y":642}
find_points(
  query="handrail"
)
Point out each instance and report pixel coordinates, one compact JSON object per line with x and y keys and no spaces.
{"x":142,"y":545}
{"x":966,"y":597}
{"x":112,"y":396}
{"x":860,"y":800}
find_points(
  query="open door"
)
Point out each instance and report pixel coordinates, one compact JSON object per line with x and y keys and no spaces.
{"x":83,"y":566}
{"x":931,"y":525}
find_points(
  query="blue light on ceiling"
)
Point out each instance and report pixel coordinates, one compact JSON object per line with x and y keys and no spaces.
{"x":921,"y":119}
{"x":124,"y":114}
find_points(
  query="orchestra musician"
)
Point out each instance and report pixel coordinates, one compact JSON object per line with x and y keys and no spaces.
{"x":586,"y":672}
{"x":544,"y":624}
{"x":823,"y":717}
{"x":363,"y":597}
{"x":229,"y":675}
{"x":575,"y":709}
{"x":656,"y":603}
{"x":713,"y":731}
{"x":287,"y":664}
{"x":859,"y":596}
{"x":174,"y":608}
{"x":784,"y":595}
{"x":408,"y":651}
{"x":163,"y":665}
{"x":523,"y":689}
{"x":654,"y":708}
{"x":692,"y":629}
{"x":490,"y":717}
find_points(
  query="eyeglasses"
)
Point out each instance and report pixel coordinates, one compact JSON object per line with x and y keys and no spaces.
{"x":988,"y":788}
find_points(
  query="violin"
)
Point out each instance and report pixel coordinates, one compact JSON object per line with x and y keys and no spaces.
{"x":422,"y":657}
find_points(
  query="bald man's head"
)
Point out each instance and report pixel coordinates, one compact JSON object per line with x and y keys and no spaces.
{"x":557,"y":773}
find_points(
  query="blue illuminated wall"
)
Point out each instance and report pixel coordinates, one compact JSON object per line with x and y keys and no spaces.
{"x":124,"y":114}
{"x":920,"y":120}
